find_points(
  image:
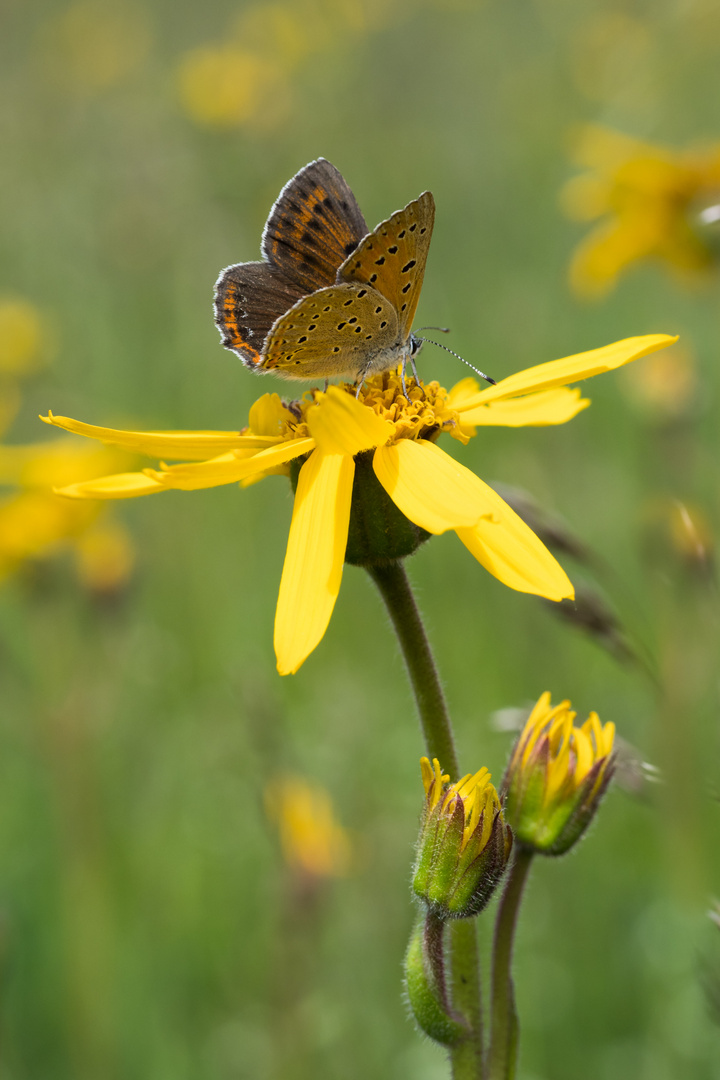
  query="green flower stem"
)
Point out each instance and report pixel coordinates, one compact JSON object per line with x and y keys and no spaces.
{"x":502,"y":1058}
{"x":467,"y":1057}
{"x":392,"y":581}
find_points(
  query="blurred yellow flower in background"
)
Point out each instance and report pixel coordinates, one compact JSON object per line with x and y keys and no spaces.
{"x":92,"y":45}
{"x":679,"y":530}
{"x":21,"y":337}
{"x":245,"y":79}
{"x":648,"y":199}
{"x":313,"y":842}
{"x":227,"y":86}
{"x":664,"y":385}
{"x":35,"y":523}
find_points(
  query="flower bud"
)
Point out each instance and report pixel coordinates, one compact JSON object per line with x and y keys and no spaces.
{"x":556,"y":777}
{"x":464,"y":843}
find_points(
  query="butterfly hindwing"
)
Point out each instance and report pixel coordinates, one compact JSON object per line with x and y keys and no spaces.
{"x":313,"y":227}
{"x":335,"y":331}
{"x":249,"y":298}
{"x":392,"y":258}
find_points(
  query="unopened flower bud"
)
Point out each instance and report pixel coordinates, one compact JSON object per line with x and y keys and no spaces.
{"x":464,"y":843}
{"x":556,"y":777}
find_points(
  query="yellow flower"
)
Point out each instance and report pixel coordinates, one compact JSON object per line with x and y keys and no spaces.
{"x":464,"y":843}
{"x":21,"y":337}
{"x":679,"y":530}
{"x":664,"y":385}
{"x":328,"y":434}
{"x":94,"y":44}
{"x":104,"y":557}
{"x":248,"y":76}
{"x":36,"y":524}
{"x":312,"y":840}
{"x":227,"y":86}
{"x":557,"y":776}
{"x":645,"y":197}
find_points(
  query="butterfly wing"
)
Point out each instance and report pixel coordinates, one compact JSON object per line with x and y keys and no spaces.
{"x":249,"y":298}
{"x":335,"y":331}
{"x":392,"y":258}
{"x":313,"y":227}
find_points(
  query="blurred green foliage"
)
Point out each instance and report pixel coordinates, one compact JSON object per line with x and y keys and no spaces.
{"x":148,"y":921}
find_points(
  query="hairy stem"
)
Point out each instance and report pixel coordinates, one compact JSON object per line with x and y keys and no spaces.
{"x":502,"y":1057}
{"x":467,"y":1057}
{"x":392,"y":581}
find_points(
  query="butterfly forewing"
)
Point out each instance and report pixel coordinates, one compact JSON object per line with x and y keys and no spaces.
{"x":392,"y":258}
{"x":313,"y":227}
{"x":334,"y":331}
{"x":249,"y":298}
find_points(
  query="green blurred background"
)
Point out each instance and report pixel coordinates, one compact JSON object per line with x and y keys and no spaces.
{"x":150,"y":925}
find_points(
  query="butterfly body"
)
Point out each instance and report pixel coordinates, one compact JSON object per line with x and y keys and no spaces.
{"x":330,"y":297}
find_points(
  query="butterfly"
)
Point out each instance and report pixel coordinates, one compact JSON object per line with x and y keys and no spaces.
{"x":330,"y":296}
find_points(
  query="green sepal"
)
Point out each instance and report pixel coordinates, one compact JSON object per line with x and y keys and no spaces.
{"x":447,"y":852}
{"x":425,"y":996}
{"x":525,"y":791}
{"x":477,"y":879}
{"x":379,"y":533}
{"x":427,"y":846}
{"x":457,"y":882}
{"x":584,"y":809}
{"x":553,"y":829}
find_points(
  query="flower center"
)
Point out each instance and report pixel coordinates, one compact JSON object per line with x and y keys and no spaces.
{"x":423,"y":414}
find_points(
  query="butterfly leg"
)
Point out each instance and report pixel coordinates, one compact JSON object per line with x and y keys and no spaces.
{"x":360,"y":379}
{"x":402,"y":377}
{"x":412,"y":361}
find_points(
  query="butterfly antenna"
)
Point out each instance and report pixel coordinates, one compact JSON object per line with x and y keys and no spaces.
{"x":476,"y":370}
{"x":440,"y":329}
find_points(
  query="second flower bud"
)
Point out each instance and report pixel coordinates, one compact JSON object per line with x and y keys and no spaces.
{"x":464,"y":843}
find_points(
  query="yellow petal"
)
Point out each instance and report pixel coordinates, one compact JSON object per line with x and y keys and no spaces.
{"x":462,"y":391}
{"x":117,"y":486}
{"x":314,"y":561}
{"x":430,"y":487}
{"x":570,"y":369}
{"x":229,"y":468}
{"x":195,"y":445}
{"x":513,"y":553}
{"x":341,"y":425}
{"x":546,"y":407}
{"x":585,"y":757}
{"x":268,"y":415}
{"x":427,"y":772}
{"x":605,"y":745}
